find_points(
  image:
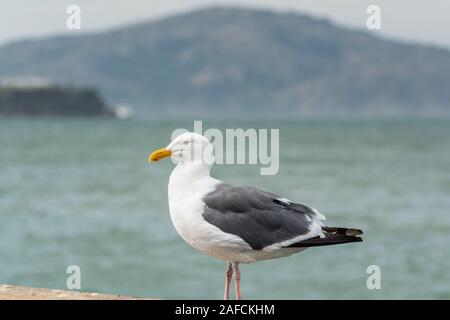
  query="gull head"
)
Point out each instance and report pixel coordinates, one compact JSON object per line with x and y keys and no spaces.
{"x":188,"y":147}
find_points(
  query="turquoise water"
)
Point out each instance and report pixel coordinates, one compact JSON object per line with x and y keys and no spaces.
{"x":81,"y":192}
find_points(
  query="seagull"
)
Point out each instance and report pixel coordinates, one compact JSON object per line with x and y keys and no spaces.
{"x":234,"y":223}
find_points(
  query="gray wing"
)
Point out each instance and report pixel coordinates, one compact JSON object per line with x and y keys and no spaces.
{"x":260,"y":218}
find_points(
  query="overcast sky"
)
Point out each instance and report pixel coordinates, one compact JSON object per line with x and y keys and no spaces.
{"x":413,"y":20}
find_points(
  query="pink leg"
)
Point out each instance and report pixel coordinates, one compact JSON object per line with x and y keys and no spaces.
{"x":237,"y":280}
{"x":228,"y":275}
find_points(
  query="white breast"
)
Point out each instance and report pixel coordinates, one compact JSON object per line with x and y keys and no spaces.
{"x":187,"y":187}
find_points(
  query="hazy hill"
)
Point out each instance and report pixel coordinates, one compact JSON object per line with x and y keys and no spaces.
{"x":243,"y":61}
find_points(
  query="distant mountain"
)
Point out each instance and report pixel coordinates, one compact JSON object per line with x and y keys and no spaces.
{"x":238,"y":61}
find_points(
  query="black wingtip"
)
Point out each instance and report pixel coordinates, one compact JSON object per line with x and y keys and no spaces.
{"x":353,"y":232}
{"x":350,"y":232}
{"x":333,"y":235}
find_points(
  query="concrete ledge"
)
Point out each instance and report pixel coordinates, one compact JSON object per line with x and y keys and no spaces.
{"x":8,"y":292}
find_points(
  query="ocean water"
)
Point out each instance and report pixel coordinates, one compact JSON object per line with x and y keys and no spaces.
{"x":80,"y":192}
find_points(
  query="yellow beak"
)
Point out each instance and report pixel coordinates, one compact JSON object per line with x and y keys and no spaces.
{"x":159,"y":154}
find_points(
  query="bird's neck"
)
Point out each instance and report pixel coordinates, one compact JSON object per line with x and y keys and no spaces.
{"x":190,"y":175}
{"x":193,"y":169}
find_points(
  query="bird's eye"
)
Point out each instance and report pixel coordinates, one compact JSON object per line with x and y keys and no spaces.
{"x":186,"y":142}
